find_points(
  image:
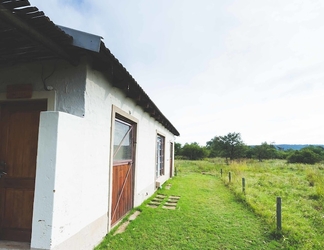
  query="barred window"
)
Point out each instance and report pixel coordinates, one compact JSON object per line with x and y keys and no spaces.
{"x":160,"y":156}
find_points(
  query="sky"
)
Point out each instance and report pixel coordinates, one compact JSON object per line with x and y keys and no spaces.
{"x":215,"y":67}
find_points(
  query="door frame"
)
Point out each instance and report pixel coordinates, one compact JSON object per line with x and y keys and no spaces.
{"x":171,"y":158}
{"x":20,"y":106}
{"x":127,"y":117}
{"x":50,"y":97}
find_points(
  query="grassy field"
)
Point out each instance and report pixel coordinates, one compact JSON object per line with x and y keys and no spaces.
{"x":301,"y":188}
{"x":207,"y":216}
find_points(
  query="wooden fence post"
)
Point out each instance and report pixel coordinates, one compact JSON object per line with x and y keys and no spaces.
{"x":229,"y":176}
{"x":243,"y":185}
{"x":279,"y":213}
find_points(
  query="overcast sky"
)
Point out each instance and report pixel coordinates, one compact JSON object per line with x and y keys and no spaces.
{"x":214,"y":66}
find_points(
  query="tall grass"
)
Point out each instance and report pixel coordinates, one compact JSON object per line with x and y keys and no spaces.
{"x":300,"y":186}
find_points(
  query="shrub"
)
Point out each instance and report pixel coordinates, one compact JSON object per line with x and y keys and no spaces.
{"x":194,"y":152}
{"x":306,"y":156}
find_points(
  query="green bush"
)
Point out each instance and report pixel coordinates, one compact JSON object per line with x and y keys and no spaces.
{"x":305,"y":156}
{"x":193,"y":151}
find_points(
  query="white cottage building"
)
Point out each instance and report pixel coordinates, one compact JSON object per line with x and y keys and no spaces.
{"x":81,"y":142}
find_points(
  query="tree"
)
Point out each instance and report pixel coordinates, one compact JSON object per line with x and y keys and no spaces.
{"x":249,"y":153}
{"x":281,"y":153}
{"x":229,"y":146}
{"x":319,"y":150}
{"x":177,"y":149}
{"x":193,"y":151}
{"x":264,"y":151}
{"x":213,"y":146}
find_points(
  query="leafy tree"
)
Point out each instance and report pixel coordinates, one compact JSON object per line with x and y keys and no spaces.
{"x":229,"y":146}
{"x":193,"y":151}
{"x":213,"y":146}
{"x":319,"y":150}
{"x":249,"y":152}
{"x":264,"y":151}
{"x":281,"y":154}
{"x":177,"y":148}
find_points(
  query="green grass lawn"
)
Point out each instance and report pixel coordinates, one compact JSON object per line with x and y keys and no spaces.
{"x":301,"y":188}
{"x":208,"y":216}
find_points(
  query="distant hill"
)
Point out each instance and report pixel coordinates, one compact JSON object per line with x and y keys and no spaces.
{"x":295,"y":146}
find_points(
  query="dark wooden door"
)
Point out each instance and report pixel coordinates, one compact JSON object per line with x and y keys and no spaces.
{"x":123,"y":170}
{"x":19,"y":123}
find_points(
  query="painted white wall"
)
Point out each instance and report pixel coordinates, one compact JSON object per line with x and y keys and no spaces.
{"x":100,"y":97}
{"x":76,"y":192}
{"x":44,"y":183}
{"x":68,"y":82}
{"x":73,"y":175}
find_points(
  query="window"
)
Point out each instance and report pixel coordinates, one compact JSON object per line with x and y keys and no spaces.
{"x":122,"y":141}
{"x":159,"y":156}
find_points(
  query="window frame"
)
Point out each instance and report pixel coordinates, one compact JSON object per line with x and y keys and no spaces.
{"x":130,"y":133}
{"x":160,"y":155}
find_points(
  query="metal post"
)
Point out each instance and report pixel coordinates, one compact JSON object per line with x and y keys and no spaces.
{"x":221,"y":172}
{"x":279,"y":213}
{"x":229,"y":176}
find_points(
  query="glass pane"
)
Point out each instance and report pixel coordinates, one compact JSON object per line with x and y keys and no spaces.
{"x":122,"y":141}
{"x":160,"y":156}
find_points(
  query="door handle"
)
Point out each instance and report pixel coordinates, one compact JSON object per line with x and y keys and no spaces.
{"x":2,"y":173}
{"x":3,"y":164}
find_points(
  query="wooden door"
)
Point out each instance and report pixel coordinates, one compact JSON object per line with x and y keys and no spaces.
{"x":123,"y":170}
{"x":122,"y":196}
{"x":19,"y":123}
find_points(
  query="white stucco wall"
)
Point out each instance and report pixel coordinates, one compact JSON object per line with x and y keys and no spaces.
{"x":66,"y":81}
{"x":73,"y":174}
{"x":100,"y":97}
{"x":70,"y":166}
{"x":45,"y":181}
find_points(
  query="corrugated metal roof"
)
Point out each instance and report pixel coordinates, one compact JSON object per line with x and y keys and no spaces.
{"x":27,"y":35}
